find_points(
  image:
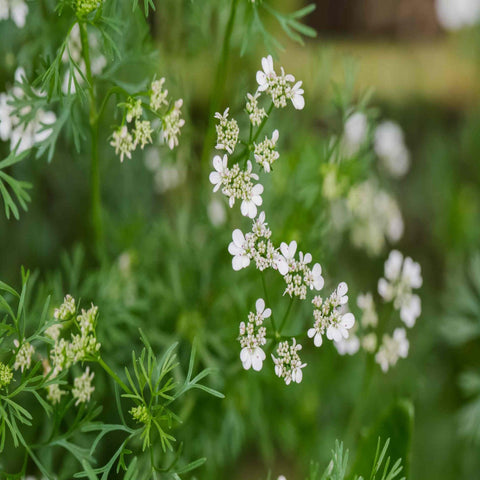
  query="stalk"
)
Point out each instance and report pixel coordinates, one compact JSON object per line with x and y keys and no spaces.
{"x":219,"y":85}
{"x":112,"y":374}
{"x":95,"y":194}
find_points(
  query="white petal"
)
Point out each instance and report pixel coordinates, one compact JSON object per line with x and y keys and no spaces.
{"x":260,"y":305}
{"x":311,"y":332}
{"x":348,"y":320}
{"x":317,"y":340}
{"x":238,"y":237}
{"x":342,"y":289}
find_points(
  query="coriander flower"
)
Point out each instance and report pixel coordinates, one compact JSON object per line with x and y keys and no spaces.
{"x":227,"y":132}
{"x":54,"y":393}
{"x":6,"y":375}
{"x":329,"y":317}
{"x":142,"y":133}
{"x":265,"y":153}
{"x":140,"y":414}
{"x":239,"y":249}
{"x":392,"y":348}
{"x":134,"y":109}
{"x":172,"y":123}
{"x":66,"y":310}
{"x":255,"y":113}
{"x":123,"y":142}
{"x":355,"y":132}
{"x":288,"y":364}
{"x":220,"y":175}
{"x":391,"y":149}
{"x":401,"y":276}
{"x":84,"y":7}
{"x":279,"y":87}
{"x":158,"y":96}
{"x":23,"y":358}
{"x":216,"y":212}
{"x":252,"y":337}
{"x":369,"y":342}
{"x":347,"y":346}
{"x":82,"y":387}
{"x":369,"y":315}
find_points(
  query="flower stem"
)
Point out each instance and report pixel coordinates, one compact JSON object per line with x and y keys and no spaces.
{"x":95,"y":195}
{"x":287,"y":313}
{"x":219,"y":85}
{"x":112,"y":374}
{"x":262,"y":274}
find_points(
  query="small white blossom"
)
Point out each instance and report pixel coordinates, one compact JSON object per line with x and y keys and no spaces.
{"x":142,"y":133}
{"x":23,"y":358}
{"x":369,"y":342}
{"x":123,"y":142}
{"x":347,"y":346}
{"x":330,"y":317}
{"x":17,"y":10}
{"x":279,"y":87}
{"x":239,"y":249}
{"x":355,"y":132}
{"x":297,"y":274}
{"x":171,"y":125}
{"x":134,"y":109}
{"x":227,"y":132}
{"x":401,"y":276}
{"x":265,"y":153}
{"x":82,"y":387}
{"x":392,"y":348}
{"x":252,"y":337}
{"x":369,"y":316}
{"x":391,"y":149}
{"x":255,"y":113}
{"x":66,"y":310}
{"x":288,"y":364}
{"x":53,"y":331}
{"x":54,"y":393}
{"x":158,"y":96}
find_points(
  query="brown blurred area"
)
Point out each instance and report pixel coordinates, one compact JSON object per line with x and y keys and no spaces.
{"x":387,"y":18}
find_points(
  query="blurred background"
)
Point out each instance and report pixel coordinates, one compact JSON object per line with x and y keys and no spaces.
{"x":421,"y":58}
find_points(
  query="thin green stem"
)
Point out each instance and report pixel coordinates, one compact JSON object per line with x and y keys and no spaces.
{"x":287,"y":313}
{"x":219,"y":85}
{"x":262,"y":274}
{"x":95,"y":194}
{"x":112,"y":374}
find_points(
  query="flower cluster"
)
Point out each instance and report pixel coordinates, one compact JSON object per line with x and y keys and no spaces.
{"x":375,"y":217}
{"x":355,"y":132}
{"x":252,"y":337}
{"x":265,"y":153}
{"x":366,"y":304}
{"x":140,"y":413}
{"x":391,"y":149}
{"x":280,"y":87}
{"x":82,"y":387}
{"x":288,"y":364}
{"x":17,"y":10}
{"x":23,"y":136}
{"x":330,"y":317}
{"x":237,"y":184}
{"x":392,"y":348}
{"x":255,"y":245}
{"x":84,"y":7}
{"x":6,"y":375}
{"x":227,"y":132}
{"x":255,"y":113}
{"x":298,"y":276}
{"x":401,"y":276}
{"x":82,"y":345}
{"x":125,"y":140}
{"x":23,"y":357}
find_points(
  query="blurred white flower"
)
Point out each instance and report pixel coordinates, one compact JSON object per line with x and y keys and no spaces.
{"x":369,"y":316}
{"x":347,"y":346}
{"x":391,"y":149}
{"x":17,"y":10}
{"x":355,"y":132}
{"x":457,"y":14}
{"x":171,"y":125}
{"x":216,"y":212}
{"x":392,"y":348}
{"x":401,"y":276}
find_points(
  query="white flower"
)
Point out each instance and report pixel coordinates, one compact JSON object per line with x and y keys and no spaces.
{"x":268,"y":74}
{"x":17,"y":10}
{"x":392,"y":348}
{"x":158,"y":96}
{"x":347,"y":346}
{"x":142,"y":133}
{"x":401,"y":276}
{"x":123,"y":142}
{"x":82,"y":387}
{"x":355,"y":132}
{"x":220,"y":174}
{"x":255,"y":113}
{"x":249,"y":205}
{"x":391,"y":149}
{"x":318,"y":281}
{"x":457,"y":14}
{"x":369,"y":315}
{"x":329,"y":317}
{"x":23,"y":358}
{"x":265,"y":153}
{"x":369,"y":342}
{"x":172,"y":123}
{"x":238,"y":249}
{"x":227,"y":132}
{"x":252,"y":337}
{"x":66,"y":310}
{"x":216,"y":212}
{"x":288,"y":364}
{"x":295,"y":94}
